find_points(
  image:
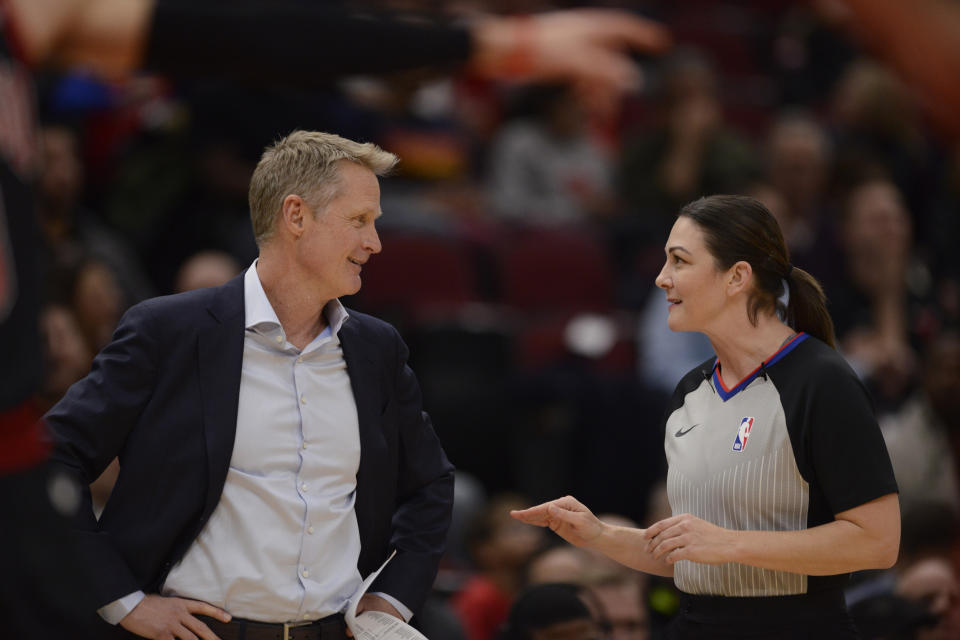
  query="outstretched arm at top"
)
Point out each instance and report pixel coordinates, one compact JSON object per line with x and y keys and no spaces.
{"x":192,"y":37}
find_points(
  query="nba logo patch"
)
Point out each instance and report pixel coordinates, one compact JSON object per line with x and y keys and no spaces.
{"x":743,"y":433}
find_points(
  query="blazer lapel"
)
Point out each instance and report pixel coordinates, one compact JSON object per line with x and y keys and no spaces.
{"x":220,"y":356}
{"x":366,"y":391}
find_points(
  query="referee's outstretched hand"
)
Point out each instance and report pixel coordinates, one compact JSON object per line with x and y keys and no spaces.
{"x":567,"y":517}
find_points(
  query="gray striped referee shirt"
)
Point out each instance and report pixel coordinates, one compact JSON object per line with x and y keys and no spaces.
{"x":788,"y":447}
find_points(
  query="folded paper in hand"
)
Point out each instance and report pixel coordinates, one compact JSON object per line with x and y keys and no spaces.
{"x":377,"y":625}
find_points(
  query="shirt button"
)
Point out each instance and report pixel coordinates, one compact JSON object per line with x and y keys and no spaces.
{"x":310,"y":530}
{"x":305,"y":573}
{"x":303,"y":399}
{"x":303,"y":487}
{"x":306,"y":616}
{"x":279,"y":338}
{"x":304,"y":445}
{"x":300,"y":359}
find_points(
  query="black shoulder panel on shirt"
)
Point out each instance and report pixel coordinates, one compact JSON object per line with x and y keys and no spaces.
{"x":835,"y":436}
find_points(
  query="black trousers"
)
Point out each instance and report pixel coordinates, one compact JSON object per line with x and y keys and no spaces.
{"x":820,"y":616}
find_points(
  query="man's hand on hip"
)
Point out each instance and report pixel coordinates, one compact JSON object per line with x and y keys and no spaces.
{"x":162,"y":618}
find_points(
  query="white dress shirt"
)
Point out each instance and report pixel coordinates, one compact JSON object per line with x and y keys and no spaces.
{"x":283,"y":542}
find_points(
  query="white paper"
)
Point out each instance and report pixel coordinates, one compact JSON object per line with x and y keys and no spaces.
{"x":377,"y":625}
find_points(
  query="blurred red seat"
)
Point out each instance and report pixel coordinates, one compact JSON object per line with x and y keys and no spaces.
{"x":418,"y":274}
{"x":555,"y":270}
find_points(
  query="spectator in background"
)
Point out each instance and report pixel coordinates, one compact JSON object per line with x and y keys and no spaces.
{"x":89,"y":289}
{"x":807,"y":51}
{"x":97,"y":303}
{"x":69,"y":230}
{"x":876,"y":305}
{"x":67,"y":356}
{"x":932,"y":583}
{"x":798,"y":163}
{"x":691,"y":152}
{"x":206,"y":269}
{"x":923,"y":436}
{"x":545,"y":167}
{"x":67,"y":359}
{"x":622,"y":604}
{"x":876,"y":126}
{"x":560,"y":563}
{"x":551,"y":612}
{"x":920,"y":596}
{"x":500,"y":551}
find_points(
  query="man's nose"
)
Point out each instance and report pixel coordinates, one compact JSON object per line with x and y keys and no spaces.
{"x":372,"y":241}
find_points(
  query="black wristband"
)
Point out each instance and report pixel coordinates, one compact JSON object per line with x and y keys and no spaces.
{"x":290,"y":42}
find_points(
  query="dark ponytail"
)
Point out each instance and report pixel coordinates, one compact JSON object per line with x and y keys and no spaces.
{"x":807,"y":309}
{"x":739,"y":228}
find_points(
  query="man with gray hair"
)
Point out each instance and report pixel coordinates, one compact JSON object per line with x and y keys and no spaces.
{"x":272,"y":444}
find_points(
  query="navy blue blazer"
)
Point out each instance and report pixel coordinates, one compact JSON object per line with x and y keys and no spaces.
{"x":163,"y":397}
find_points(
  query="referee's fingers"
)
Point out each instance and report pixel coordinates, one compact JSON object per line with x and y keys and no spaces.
{"x":665,"y":547}
{"x":658,"y":527}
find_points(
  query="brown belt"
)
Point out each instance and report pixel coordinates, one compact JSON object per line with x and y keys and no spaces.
{"x":329,"y":628}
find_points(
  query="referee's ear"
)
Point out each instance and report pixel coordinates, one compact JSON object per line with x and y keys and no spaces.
{"x":739,"y":278}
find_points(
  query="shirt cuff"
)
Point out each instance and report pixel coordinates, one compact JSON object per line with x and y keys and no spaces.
{"x":399,"y":606}
{"x":118,"y":609}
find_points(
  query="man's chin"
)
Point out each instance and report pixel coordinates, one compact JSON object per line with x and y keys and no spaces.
{"x":352,"y":288}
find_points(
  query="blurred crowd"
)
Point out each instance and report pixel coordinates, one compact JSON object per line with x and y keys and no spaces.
{"x":521,"y":234}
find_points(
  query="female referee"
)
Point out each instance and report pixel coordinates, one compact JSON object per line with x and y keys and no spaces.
{"x":778,"y":476}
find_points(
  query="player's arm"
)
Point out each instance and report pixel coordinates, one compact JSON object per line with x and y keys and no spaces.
{"x":104,"y":35}
{"x":298,"y":41}
{"x":910,"y":35}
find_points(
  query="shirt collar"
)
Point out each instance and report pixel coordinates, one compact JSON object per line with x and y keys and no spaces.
{"x":258,"y":310}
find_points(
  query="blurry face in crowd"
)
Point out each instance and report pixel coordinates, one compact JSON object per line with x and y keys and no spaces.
{"x":775,"y":202}
{"x":932,"y":583}
{"x":798,"y":160}
{"x":97,"y":303}
{"x":877,"y":222}
{"x":67,"y":356}
{"x":561,"y":564}
{"x":690,"y":278}
{"x":206,"y":269}
{"x":582,"y":629}
{"x":62,"y":174}
{"x":624,"y":611}
{"x":338,"y":241}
